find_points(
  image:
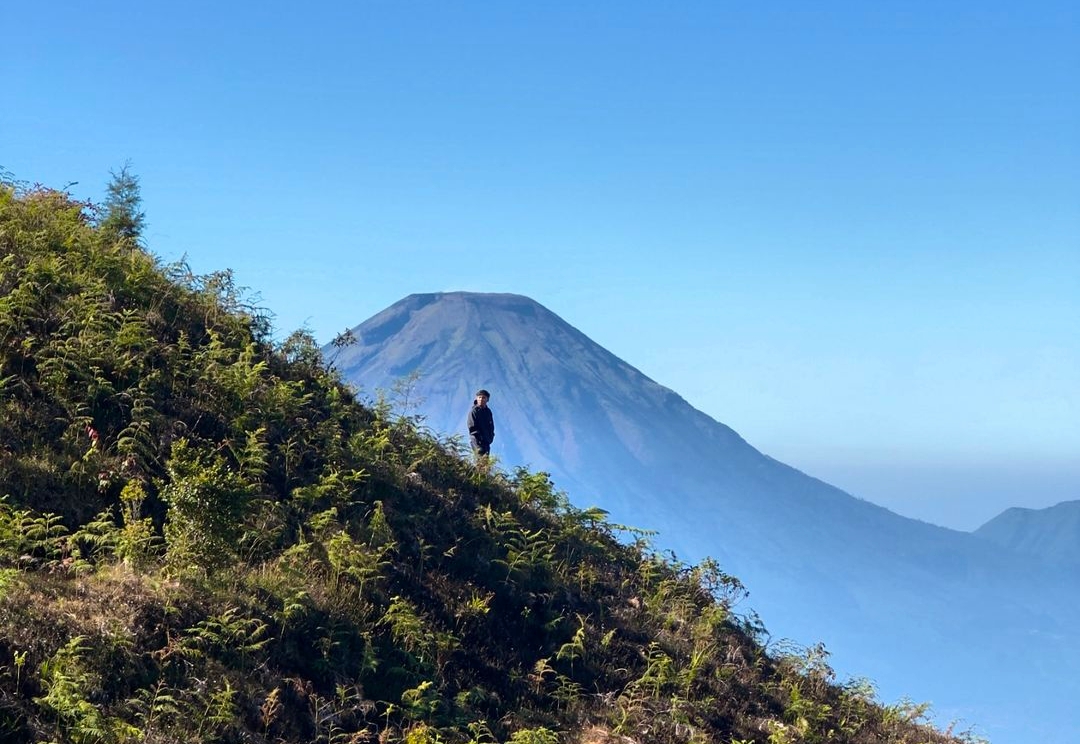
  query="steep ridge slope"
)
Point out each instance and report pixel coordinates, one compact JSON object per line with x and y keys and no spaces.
{"x":820,"y":563}
{"x":1051,"y":534}
{"x":205,"y":538}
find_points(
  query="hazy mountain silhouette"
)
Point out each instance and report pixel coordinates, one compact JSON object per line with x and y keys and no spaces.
{"x":987,"y":634}
{"x":1052,"y":534}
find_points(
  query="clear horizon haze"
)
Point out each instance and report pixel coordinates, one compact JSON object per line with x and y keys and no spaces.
{"x":850,"y":231}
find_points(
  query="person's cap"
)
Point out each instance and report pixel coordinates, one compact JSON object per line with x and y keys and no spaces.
{"x":482,"y":392}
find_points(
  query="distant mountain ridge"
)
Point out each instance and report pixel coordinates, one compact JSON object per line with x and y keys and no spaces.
{"x":1051,"y":534}
{"x":820,"y":564}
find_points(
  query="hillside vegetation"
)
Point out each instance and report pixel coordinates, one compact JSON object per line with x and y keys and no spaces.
{"x":206,"y":537}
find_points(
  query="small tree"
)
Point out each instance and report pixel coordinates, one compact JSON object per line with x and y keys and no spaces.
{"x":124,"y":216}
{"x":208,"y":501}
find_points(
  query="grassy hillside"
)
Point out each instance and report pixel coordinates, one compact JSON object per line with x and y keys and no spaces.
{"x":205,"y":537}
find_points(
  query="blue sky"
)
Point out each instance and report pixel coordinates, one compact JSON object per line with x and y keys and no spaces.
{"x":849,"y":230}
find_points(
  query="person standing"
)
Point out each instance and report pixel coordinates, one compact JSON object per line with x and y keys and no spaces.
{"x":481,"y":425}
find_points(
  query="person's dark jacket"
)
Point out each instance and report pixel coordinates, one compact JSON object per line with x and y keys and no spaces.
{"x":481,"y":427}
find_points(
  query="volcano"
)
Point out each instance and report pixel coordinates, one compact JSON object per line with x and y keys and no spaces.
{"x":891,"y":597}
